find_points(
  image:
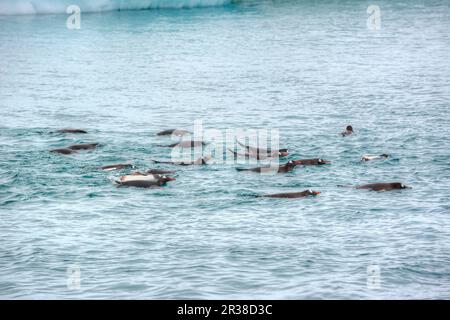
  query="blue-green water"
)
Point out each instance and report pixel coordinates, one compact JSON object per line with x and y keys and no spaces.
{"x":306,"y":68}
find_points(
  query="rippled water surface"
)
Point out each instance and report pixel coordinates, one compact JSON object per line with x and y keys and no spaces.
{"x":306,"y":68}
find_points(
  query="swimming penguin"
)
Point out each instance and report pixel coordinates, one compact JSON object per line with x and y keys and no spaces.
{"x":383,"y":186}
{"x":159,"y":171}
{"x":311,"y":162}
{"x":86,"y":146}
{"x":289,"y":166}
{"x":269,"y":151}
{"x":368,"y":157}
{"x":176,"y":132}
{"x":71,"y":131}
{"x":64,"y":151}
{"x":292,"y":195}
{"x":185,"y":144}
{"x":247,"y":155}
{"x":348,"y":131}
{"x":116,"y":167}
{"x":143,"y":180}
{"x":74,"y":148}
{"x":199,"y":161}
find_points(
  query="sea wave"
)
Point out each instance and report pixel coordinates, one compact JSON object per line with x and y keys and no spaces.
{"x":24,"y":7}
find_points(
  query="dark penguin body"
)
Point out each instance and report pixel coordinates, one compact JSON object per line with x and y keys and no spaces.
{"x":292,"y":195}
{"x":176,"y":132}
{"x":159,"y":171}
{"x":289,"y":166}
{"x":74,"y":131}
{"x":64,"y":151}
{"x":74,"y":148}
{"x":383,"y":186}
{"x":311,"y":162}
{"x":86,"y":146}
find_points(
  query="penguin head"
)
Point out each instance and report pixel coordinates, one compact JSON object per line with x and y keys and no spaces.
{"x":164,"y":179}
{"x":322,"y":161}
{"x":349,"y":128}
{"x":283,"y":152}
{"x":313,"y":193}
{"x":399,"y":185}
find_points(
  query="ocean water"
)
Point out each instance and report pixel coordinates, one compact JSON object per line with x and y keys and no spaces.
{"x":305,"y":68}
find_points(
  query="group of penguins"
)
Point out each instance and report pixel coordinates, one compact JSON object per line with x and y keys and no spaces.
{"x":159,"y":177}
